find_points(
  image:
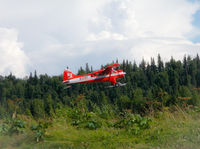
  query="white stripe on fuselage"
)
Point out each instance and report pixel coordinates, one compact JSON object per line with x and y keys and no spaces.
{"x":89,"y":78}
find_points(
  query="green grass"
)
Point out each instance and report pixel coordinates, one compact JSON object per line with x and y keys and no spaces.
{"x":168,"y":130}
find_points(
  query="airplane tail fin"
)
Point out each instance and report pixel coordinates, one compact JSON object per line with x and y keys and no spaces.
{"x":67,"y":75}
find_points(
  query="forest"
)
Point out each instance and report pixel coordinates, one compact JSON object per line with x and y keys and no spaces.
{"x":152,"y":87}
{"x":153,"y":84}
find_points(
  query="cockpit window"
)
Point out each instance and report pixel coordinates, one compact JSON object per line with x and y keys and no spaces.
{"x":93,"y":75}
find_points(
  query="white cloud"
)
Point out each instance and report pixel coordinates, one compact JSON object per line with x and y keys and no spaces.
{"x":163,"y":26}
{"x":157,"y":18}
{"x":152,"y":27}
{"x":105,"y":35}
{"x":60,"y":33}
{"x":12,"y":58}
{"x":166,"y":48}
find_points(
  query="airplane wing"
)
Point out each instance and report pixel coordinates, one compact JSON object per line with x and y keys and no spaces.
{"x":109,"y":68}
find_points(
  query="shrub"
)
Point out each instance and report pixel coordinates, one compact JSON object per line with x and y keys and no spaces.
{"x":12,"y":126}
{"x":4,"y":128}
{"x":133,"y":123}
{"x":17,"y":126}
{"x":93,"y":124}
{"x":40,"y":130}
{"x":84,"y":119}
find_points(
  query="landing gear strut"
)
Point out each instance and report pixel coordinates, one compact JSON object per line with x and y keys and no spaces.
{"x":118,"y":84}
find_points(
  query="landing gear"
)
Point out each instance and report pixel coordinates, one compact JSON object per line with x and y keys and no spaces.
{"x":67,"y":87}
{"x":118,"y":84}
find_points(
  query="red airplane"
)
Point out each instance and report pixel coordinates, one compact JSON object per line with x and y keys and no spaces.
{"x":103,"y":75}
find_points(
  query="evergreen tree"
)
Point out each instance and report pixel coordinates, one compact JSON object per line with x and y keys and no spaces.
{"x":87,"y":69}
{"x":160,"y":64}
{"x":161,"y":84}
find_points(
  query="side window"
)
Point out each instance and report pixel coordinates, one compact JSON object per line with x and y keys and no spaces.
{"x":105,"y":73}
{"x":98,"y":74}
{"x":93,"y":75}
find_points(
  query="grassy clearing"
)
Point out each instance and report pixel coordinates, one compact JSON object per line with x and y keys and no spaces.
{"x":177,"y":129}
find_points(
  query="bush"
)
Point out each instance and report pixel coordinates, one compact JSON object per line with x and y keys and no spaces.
{"x":107,"y":111}
{"x":93,"y":124}
{"x":133,"y":123}
{"x":40,"y":130}
{"x":12,"y":126}
{"x":83,"y":119}
{"x":4,"y":128}
{"x":17,"y":126}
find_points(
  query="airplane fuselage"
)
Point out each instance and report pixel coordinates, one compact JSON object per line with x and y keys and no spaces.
{"x":96,"y":77}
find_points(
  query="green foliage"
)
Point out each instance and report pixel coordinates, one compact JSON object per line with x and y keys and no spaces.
{"x":80,"y":115}
{"x":85,"y":107}
{"x":93,"y":124}
{"x":17,"y":126}
{"x":38,"y":108}
{"x":177,"y":129}
{"x":3,"y":112}
{"x":150,"y":86}
{"x":195,"y":98}
{"x":4,"y":128}
{"x":133,"y":123}
{"x":125,"y":102}
{"x":40,"y":130}
{"x":84,"y":119}
{"x":108,"y":111}
{"x":12,"y":126}
{"x":138,"y":103}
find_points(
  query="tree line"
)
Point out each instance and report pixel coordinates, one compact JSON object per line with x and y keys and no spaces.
{"x":150,"y":86}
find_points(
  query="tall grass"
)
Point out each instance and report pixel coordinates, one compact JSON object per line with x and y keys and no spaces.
{"x":174,"y":127}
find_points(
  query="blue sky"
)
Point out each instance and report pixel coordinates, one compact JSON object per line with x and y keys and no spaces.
{"x":196,"y":23}
{"x":48,"y":35}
